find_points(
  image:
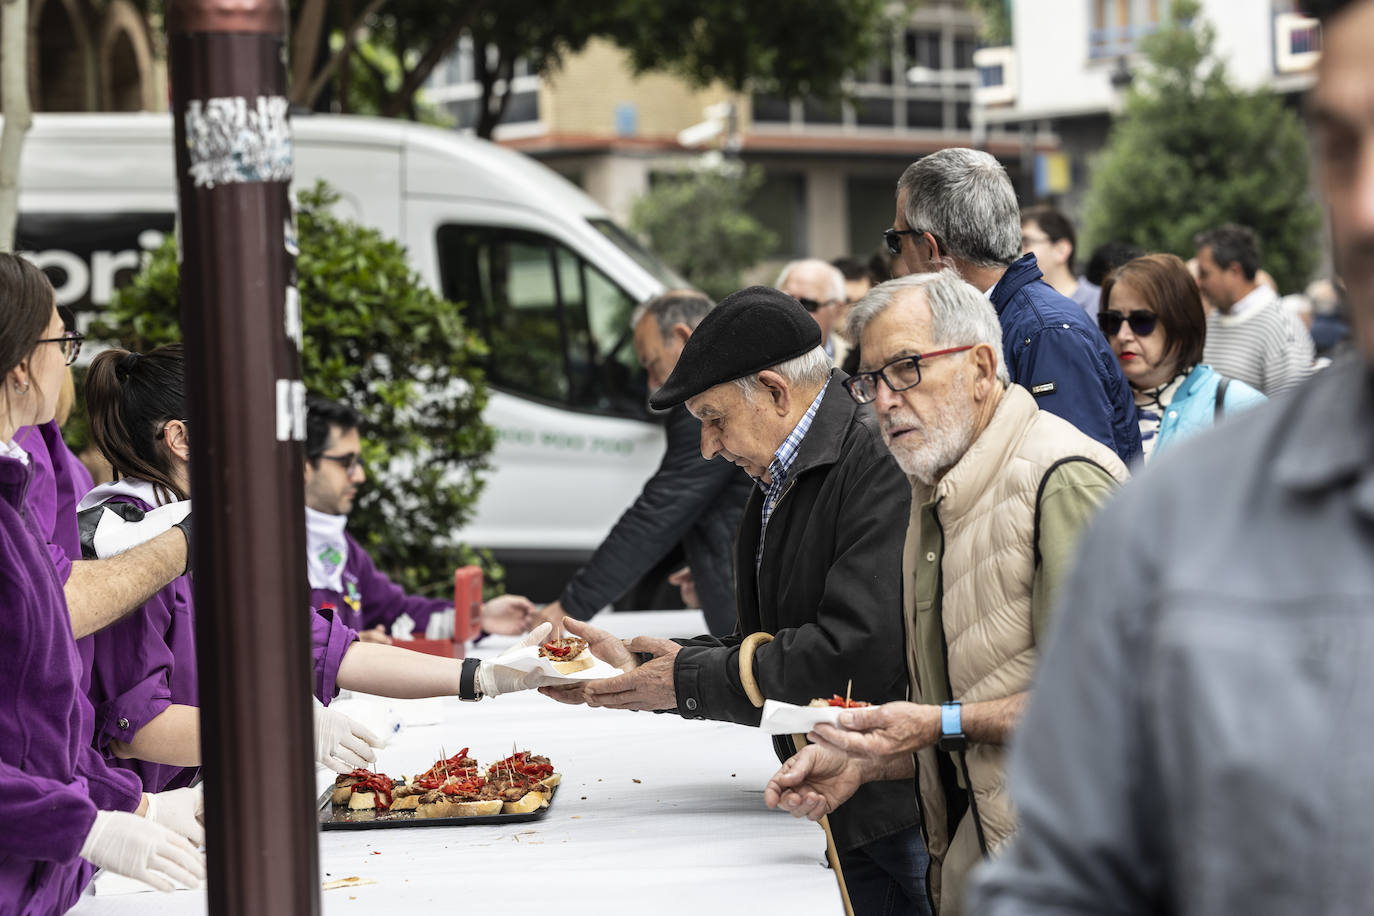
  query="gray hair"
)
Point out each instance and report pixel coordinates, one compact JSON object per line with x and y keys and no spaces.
{"x":676,"y":306}
{"x":811,"y":369}
{"x":836,"y":292}
{"x":965,"y":199}
{"x":959,"y":314}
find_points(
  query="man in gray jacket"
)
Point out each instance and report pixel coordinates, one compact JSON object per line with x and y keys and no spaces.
{"x":1199,"y":740}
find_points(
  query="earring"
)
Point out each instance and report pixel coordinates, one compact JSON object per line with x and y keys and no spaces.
{"x":22,"y":389}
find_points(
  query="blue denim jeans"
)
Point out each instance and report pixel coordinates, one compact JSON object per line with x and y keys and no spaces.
{"x":888,"y":876}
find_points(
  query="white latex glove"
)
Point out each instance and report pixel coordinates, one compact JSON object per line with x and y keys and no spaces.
{"x":494,"y":680}
{"x":341,"y":743}
{"x":180,"y":810}
{"x":136,"y":847}
{"x":403,"y":627}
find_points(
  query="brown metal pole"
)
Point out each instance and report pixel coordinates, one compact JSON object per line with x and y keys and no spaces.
{"x":241,"y":326}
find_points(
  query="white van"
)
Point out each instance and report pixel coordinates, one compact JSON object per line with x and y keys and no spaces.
{"x":533,"y":258}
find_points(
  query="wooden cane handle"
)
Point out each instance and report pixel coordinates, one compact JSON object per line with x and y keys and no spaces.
{"x":746,"y":666}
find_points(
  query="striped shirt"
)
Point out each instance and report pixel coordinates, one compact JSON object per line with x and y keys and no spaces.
{"x":1260,"y":343}
{"x":781,"y":465}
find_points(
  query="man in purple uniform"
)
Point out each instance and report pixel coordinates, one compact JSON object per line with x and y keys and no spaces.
{"x":342,"y":575}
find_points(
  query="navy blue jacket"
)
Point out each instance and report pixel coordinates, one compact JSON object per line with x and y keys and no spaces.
{"x":1056,"y":353}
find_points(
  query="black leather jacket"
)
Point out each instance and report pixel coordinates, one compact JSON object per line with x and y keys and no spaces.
{"x":829,"y":589}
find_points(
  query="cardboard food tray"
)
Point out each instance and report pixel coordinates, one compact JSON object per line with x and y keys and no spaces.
{"x":331,"y":818}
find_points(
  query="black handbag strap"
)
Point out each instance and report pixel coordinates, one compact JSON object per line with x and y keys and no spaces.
{"x":1219,"y":408}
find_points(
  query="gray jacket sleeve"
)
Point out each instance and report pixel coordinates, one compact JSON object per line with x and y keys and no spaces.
{"x":681,"y":489}
{"x":1080,"y":773}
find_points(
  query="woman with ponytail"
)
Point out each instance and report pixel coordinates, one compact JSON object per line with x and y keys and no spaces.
{"x":53,"y":833}
{"x":143,"y":671}
{"x":143,"y":679}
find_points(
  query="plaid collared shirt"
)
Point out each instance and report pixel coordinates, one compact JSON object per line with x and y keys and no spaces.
{"x":781,"y":464}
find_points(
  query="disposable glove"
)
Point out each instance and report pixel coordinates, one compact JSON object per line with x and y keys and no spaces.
{"x":341,"y":743}
{"x":180,"y":810}
{"x":136,"y":847}
{"x":494,"y":680}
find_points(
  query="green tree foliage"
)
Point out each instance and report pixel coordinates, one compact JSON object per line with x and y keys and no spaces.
{"x":378,"y":338}
{"x":1191,"y":152}
{"x":696,"y":221}
{"x":994,"y":20}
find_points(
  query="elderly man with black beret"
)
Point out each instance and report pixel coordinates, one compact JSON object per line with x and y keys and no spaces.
{"x":817,"y":568}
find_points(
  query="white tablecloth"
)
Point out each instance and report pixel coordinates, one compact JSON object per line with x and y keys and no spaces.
{"x":655,"y":814}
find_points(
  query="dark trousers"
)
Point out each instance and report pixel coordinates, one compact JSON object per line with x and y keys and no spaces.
{"x":888,"y":876}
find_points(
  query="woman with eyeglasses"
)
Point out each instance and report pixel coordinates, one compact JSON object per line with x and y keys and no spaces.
{"x":143,"y":677}
{"x":1152,"y":314}
{"x":54,"y":834}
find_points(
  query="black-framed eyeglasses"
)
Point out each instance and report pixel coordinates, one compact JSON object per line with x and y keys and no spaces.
{"x":902,"y":373}
{"x":349,"y":462}
{"x":70,"y":342}
{"x":811,"y":305}
{"x":893,"y":239}
{"x":1142,"y":322}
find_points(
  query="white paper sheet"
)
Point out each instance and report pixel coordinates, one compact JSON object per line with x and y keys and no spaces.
{"x":787,"y":719}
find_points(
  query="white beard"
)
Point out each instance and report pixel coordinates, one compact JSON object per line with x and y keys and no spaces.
{"x":928,"y":450}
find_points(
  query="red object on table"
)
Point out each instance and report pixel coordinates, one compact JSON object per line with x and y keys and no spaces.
{"x":467,"y":617}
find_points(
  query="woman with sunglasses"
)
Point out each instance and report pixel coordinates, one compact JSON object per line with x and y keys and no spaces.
{"x":54,"y":833}
{"x":1152,"y":314}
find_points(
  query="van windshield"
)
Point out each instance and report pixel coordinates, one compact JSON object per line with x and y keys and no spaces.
{"x":643,"y":257}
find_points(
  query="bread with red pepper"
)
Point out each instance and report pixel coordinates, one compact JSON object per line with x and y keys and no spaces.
{"x":568,"y":655}
{"x":363,"y":790}
{"x":524,"y":781}
{"x":837,"y":701}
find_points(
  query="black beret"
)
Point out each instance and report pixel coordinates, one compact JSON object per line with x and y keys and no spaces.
{"x":751,"y":330}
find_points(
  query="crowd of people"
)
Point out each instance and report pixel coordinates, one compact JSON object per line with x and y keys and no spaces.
{"x":1115,"y":663}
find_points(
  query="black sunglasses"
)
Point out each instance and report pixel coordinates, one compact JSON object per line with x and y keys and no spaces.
{"x":893,"y":239}
{"x":811,"y":305}
{"x":348,"y":462}
{"x":1142,"y":322}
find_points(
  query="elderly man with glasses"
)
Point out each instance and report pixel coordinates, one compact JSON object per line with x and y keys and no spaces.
{"x":1000,"y":492}
{"x":956,"y":208}
{"x":817,"y":563}
{"x":343,"y":578}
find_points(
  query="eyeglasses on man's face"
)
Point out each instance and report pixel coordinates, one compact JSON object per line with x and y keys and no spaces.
{"x":1141,"y":321}
{"x":69,"y":343}
{"x":893,"y":239}
{"x":902,"y":373}
{"x":811,"y":305}
{"x":350,"y":461}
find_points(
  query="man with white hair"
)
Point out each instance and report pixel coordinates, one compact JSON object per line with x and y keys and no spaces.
{"x":817,"y":569}
{"x":999,"y":494}
{"x":956,"y":208}
{"x":819,"y":287}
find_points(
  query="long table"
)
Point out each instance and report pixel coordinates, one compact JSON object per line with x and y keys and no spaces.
{"x":654,"y":813}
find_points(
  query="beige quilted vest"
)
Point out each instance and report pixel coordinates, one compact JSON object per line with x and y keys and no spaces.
{"x":987,"y":513}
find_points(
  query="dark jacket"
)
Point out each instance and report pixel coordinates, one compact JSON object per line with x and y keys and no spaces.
{"x":688,"y":499}
{"x":1055,"y":352}
{"x":829,"y":590}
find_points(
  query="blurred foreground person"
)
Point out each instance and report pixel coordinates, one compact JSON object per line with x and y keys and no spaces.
{"x":1154,"y":320}
{"x":54,"y":833}
{"x":1199,"y":740}
{"x":1000,"y":492}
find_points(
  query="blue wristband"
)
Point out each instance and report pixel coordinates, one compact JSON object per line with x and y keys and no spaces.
{"x":951,"y":719}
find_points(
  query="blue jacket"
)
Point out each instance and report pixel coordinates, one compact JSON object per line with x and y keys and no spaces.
{"x":1056,"y":353}
{"x":1193,"y":408}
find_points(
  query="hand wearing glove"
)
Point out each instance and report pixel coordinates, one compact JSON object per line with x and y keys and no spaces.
{"x":341,"y":743}
{"x":181,"y":811}
{"x":138,"y":848}
{"x":494,"y":680}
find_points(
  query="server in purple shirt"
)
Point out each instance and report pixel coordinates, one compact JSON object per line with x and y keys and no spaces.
{"x":53,"y":832}
{"x":342,"y":575}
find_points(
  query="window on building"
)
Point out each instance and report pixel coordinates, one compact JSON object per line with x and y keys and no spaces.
{"x":874,"y":111}
{"x":964,"y":46}
{"x":1117,"y":25}
{"x":822,"y":111}
{"x":923,"y":48}
{"x":771,"y":108}
{"x":925,"y":114}
{"x":556,"y":327}
{"x":872,"y":202}
{"x":780,"y":205}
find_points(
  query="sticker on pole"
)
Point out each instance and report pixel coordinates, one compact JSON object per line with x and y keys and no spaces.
{"x":233,"y":141}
